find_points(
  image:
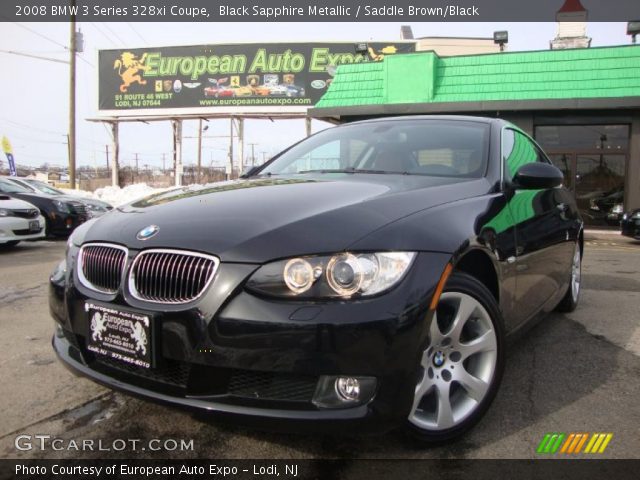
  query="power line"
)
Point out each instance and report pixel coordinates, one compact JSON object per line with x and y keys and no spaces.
{"x":114,"y":33}
{"x":137,"y":33}
{"x":99,"y":30}
{"x":23,"y":54}
{"x":31,"y":128}
{"x":41,"y":35}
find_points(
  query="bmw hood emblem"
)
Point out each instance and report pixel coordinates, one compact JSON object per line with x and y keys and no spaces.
{"x":147,"y":232}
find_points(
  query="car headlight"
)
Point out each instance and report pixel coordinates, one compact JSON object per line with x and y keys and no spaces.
{"x":343,"y":275}
{"x":636,"y":214}
{"x":617,"y":208}
{"x":61,"y":206}
{"x":6,"y":212}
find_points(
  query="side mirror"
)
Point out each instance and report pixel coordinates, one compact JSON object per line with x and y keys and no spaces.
{"x":537,"y":176}
{"x":250,"y":171}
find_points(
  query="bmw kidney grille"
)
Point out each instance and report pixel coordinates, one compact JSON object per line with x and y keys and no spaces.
{"x":156,"y":275}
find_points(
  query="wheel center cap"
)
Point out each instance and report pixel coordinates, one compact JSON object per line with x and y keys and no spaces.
{"x":438,"y":359}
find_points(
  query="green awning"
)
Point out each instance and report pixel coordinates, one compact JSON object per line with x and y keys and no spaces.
{"x":424,"y":82}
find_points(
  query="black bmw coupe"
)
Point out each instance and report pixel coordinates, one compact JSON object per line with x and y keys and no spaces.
{"x":365,"y":278}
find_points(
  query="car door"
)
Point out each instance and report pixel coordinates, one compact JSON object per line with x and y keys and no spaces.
{"x":542,"y":221}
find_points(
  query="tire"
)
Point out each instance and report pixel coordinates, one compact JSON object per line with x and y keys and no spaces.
{"x":570,"y":300}
{"x":467,"y":370}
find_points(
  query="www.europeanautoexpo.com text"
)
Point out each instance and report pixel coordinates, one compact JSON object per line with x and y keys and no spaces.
{"x":247,"y":12}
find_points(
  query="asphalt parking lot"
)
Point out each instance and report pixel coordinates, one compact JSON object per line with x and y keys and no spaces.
{"x":571,"y":373}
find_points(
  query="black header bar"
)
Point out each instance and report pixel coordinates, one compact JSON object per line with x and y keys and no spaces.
{"x":409,"y":11}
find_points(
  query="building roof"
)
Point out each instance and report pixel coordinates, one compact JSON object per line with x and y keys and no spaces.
{"x":426,"y":83}
{"x":572,"y":6}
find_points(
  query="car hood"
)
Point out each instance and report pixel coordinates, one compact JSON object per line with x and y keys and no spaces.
{"x":258,"y":220}
{"x":14,"y":203}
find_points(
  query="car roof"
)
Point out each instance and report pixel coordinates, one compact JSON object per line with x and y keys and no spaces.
{"x":461,"y":118}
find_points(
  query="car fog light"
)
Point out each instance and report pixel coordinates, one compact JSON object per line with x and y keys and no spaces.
{"x":348,"y":388}
{"x":298,"y":275}
{"x":343,"y":392}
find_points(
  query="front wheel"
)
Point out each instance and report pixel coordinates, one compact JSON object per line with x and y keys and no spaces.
{"x":461,"y":366}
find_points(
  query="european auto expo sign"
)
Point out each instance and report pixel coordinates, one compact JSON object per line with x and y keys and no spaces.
{"x":240,"y":75}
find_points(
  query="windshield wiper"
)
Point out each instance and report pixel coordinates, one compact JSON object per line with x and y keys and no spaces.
{"x":346,"y":170}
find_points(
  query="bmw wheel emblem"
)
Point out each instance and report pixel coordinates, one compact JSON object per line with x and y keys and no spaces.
{"x":438,"y":359}
{"x":147,"y":232}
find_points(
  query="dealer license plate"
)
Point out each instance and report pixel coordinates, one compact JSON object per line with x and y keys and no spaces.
{"x":117,"y":334}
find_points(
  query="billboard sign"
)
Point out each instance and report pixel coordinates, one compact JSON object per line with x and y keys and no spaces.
{"x":270,"y":77}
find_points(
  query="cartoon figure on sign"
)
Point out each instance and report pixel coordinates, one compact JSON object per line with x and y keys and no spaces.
{"x":379,"y":55}
{"x":139,"y":337}
{"x":98,"y":326}
{"x":132,"y":68}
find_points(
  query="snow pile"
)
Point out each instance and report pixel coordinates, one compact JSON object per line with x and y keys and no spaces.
{"x":117,"y":196}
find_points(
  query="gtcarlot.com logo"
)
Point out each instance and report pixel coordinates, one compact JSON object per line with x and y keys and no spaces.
{"x":574,"y":443}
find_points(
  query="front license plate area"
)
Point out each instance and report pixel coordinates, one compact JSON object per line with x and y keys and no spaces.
{"x":121,"y":335}
{"x":34,"y":226}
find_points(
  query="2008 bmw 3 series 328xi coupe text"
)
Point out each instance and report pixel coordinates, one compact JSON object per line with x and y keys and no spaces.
{"x":364,"y":278}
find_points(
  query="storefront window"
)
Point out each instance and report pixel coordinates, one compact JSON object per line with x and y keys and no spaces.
{"x":593,"y":159}
{"x":609,"y":138}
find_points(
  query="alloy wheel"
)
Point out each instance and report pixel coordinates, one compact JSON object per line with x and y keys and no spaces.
{"x":457,"y":366}
{"x":576,"y":274}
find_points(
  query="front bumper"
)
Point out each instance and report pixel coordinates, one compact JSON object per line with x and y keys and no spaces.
{"x":261,"y":360}
{"x":62,"y":224}
{"x":631,"y":227}
{"x":17,"y":229}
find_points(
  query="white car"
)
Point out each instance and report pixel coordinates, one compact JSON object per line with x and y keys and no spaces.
{"x":19,"y":220}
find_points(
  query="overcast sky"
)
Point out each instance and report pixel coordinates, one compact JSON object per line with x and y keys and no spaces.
{"x":34,"y":93}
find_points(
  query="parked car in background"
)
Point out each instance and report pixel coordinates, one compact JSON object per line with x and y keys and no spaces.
{"x":630,"y":224}
{"x":363,"y":279}
{"x":95,"y":207}
{"x":608,"y":206}
{"x":62,"y":213}
{"x":19,"y":220}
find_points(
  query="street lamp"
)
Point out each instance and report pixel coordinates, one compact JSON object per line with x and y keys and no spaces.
{"x":362,"y":48}
{"x":501,"y":38}
{"x":633,"y":29}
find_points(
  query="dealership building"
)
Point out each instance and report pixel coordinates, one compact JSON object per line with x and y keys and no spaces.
{"x":582,"y":105}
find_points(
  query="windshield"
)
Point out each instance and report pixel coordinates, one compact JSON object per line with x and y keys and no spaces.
{"x":43,"y":187}
{"x":10,"y":187}
{"x":413,"y":147}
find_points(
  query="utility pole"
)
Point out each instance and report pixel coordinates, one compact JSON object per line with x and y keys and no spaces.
{"x":163,"y":164}
{"x":106,"y":151}
{"x":199,"y":150}
{"x":136,"y":155}
{"x":230,"y":149}
{"x":72,"y":101}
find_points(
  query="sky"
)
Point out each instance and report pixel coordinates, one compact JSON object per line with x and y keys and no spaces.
{"x":34,"y":93}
